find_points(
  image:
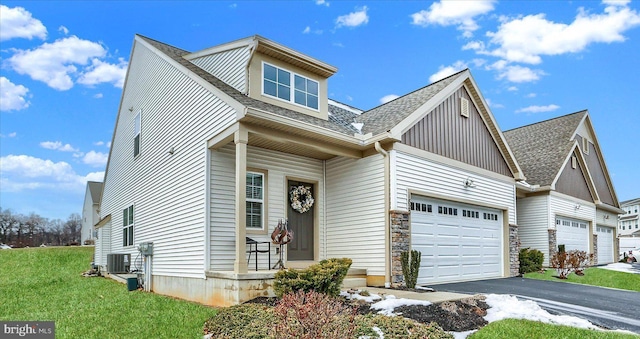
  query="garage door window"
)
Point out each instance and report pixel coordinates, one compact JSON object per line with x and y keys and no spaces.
{"x":471,"y":214}
{"x":420,"y":207}
{"x":447,"y":210}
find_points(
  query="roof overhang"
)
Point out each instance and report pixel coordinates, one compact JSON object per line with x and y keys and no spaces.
{"x":102,"y":222}
{"x":609,"y":208}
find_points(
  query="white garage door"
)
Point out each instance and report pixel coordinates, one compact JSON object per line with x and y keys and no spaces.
{"x":605,"y":244}
{"x":573,"y":234}
{"x":458,"y":241}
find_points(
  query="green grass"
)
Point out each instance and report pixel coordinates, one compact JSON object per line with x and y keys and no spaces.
{"x":44,"y":284}
{"x":527,"y":329}
{"x":596,"y":277}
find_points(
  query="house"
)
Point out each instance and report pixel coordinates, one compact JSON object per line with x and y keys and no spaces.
{"x":628,"y":219}
{"x":568,"y":198}
{"x":90,"y":215}
{"x":212,"y":149}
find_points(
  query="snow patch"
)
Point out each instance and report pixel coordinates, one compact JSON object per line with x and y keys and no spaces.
{"x":356,"y":296}
{"x":462,"y":335}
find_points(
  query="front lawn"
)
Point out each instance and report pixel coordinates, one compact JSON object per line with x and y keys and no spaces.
{"x":519,"y":328}
{"x":45,"y":284}
{"x":596,"y":277}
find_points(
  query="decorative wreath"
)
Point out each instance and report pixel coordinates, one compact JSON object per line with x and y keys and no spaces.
{"x":301,"y":198}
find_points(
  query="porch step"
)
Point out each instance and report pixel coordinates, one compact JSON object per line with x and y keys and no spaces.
{"x":349,"y":282}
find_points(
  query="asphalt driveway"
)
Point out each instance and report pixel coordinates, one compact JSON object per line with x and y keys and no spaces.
{"x":606,"y":307}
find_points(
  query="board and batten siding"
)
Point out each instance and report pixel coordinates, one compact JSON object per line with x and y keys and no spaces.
{"x":229,"y":66}
{"x":597,"y":173}
{"x":533,"y":224}
{"x":356,"y":211}
{"x":572,"y":181}
{"x":446,"y":132}
{"x":167,"y":190}
{"x":447,"y":182}
{"x":279,"y":167}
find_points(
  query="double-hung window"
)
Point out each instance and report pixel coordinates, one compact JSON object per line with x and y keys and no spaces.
{"x":136,"y":134}
{"x":127,"y":226}
{"x":277,"y":82}
{"x":255,"y":200}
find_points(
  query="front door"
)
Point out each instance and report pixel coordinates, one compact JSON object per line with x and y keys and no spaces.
{"x":302,"y":245}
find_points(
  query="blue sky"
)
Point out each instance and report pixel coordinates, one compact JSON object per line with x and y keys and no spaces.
{"x":63,"y":66}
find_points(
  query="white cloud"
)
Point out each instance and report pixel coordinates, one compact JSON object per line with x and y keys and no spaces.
{"x":388,"y":98}
{"x":353,"y":19}
{"x":58,"y":146}
{"x":109,"y":144}
{"x":12,"y":96}
{"x":98,"y":143}
{"x":512,"y":88}
{"x":17,"y":22}
{"x":54,"y":63}
{"x":493,"y":104}
{"x":98,"y":96}
{"x":519,"y":74}
{"x":531,"y":95}
{"x":10,"y":135}
{"x":95,"y":159}
{"x":100,"y":72}
{"x":538,"y":109}
{"x":322,"y":3}
{"x":444,"y":72}
{"x":64,"y":30}
{"x":22,"y":172}
{"x":306,"y":30}
{"x":526,"y":39}
{"x":449,"y":13}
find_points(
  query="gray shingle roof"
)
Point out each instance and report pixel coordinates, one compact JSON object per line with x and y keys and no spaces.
{"x":177,"y":53}
{"x":541,"y":148}
{"x":384,"y":117}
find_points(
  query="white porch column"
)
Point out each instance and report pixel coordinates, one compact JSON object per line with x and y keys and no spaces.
{"x":241,"y":138}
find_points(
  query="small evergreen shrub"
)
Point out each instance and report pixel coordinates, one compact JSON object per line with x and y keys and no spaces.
{"x":248,"y":321}
{"x":311,"y":315}
{"x":324,"y":277}
{"x":397,"y":327}
{"x":410,"y":267}
{"x":530,"y":260}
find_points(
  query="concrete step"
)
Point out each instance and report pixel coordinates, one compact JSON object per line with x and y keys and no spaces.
{"x":357,"y":273}
{"x":350,"y":282}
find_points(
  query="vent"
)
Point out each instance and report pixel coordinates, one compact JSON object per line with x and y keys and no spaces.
{"x":585,"y":145}
{"x":574,"y":162}
{"x":464,"y":107}
{"x":118,"y":263}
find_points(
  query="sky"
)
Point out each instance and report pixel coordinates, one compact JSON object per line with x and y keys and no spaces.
{"x":63,"y":66}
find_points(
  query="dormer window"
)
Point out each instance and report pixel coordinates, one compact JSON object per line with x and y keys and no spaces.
{"x":277,"y":83}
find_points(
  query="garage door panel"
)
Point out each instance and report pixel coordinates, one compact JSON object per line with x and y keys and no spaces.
{"x":605,"y":244}
{"x":572,"y":233}
{"x":458,"y":243}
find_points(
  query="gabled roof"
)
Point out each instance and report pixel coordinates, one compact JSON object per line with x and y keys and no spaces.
{"x":542,"y":148}
{"x":630,"y":202}
{"x":386,"y":116}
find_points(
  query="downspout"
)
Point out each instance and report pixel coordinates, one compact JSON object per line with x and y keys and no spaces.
{"x":324,"y":208}
{"x":387,"y":233}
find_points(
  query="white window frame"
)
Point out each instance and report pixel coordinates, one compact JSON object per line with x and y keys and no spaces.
{"x":137,"y":133}
{"x":128,"y":222}
{"x":292,"y":87}
{"x":262,"y":202}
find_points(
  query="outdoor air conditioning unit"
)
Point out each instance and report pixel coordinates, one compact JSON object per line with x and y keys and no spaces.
{"x":118,"y":263}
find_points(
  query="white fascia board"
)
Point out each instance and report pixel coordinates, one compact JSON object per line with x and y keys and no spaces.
{"x":427,"y":107}
{"x":245,"y":42}
{"x":214,"y":90}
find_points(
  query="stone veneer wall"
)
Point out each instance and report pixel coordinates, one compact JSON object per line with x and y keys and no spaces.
{"x":553,"y":244}
{"x":400,"y":242}
{"x":595,"y":250}
{"x":514,"y":251}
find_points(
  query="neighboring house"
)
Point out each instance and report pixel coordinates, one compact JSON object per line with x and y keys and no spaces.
{"x":568,"y":198}
{"x":90,"y":215}
{"x":628,"y":220}
{"x":208,"y":146}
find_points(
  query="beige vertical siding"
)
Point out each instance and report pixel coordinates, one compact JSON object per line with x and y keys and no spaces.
{"x":167,"y":190}
{"x":533,"y":224}
{"x":444,"y":181}
{"x":356,"y":212}
{"x":228,"y":66}
{"x":572,"y":182}
{"x":445,"y":132}
{"x":279,"y":167}
{"x":597,"y":174}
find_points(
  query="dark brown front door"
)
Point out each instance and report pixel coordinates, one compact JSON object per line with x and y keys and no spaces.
{"x":302,"y":245}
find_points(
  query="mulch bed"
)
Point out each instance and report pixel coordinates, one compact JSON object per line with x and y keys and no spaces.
{"x":458,"y":316}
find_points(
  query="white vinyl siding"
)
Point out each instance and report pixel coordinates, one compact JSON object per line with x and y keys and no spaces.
{"x":356,"y":212}
{"x":278,"y":166}
{"x":429,"y":177}
{"x":533,"y":227}
{"x":229,"y":66}
{"x":136,"y":133}
{"x":565,"y":206}
{"x":168,"y":189}
{"x":605,"y":218}
{"x":103,"y":245}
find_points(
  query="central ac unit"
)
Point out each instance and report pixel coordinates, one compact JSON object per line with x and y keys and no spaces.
{"x":118,"y":263}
